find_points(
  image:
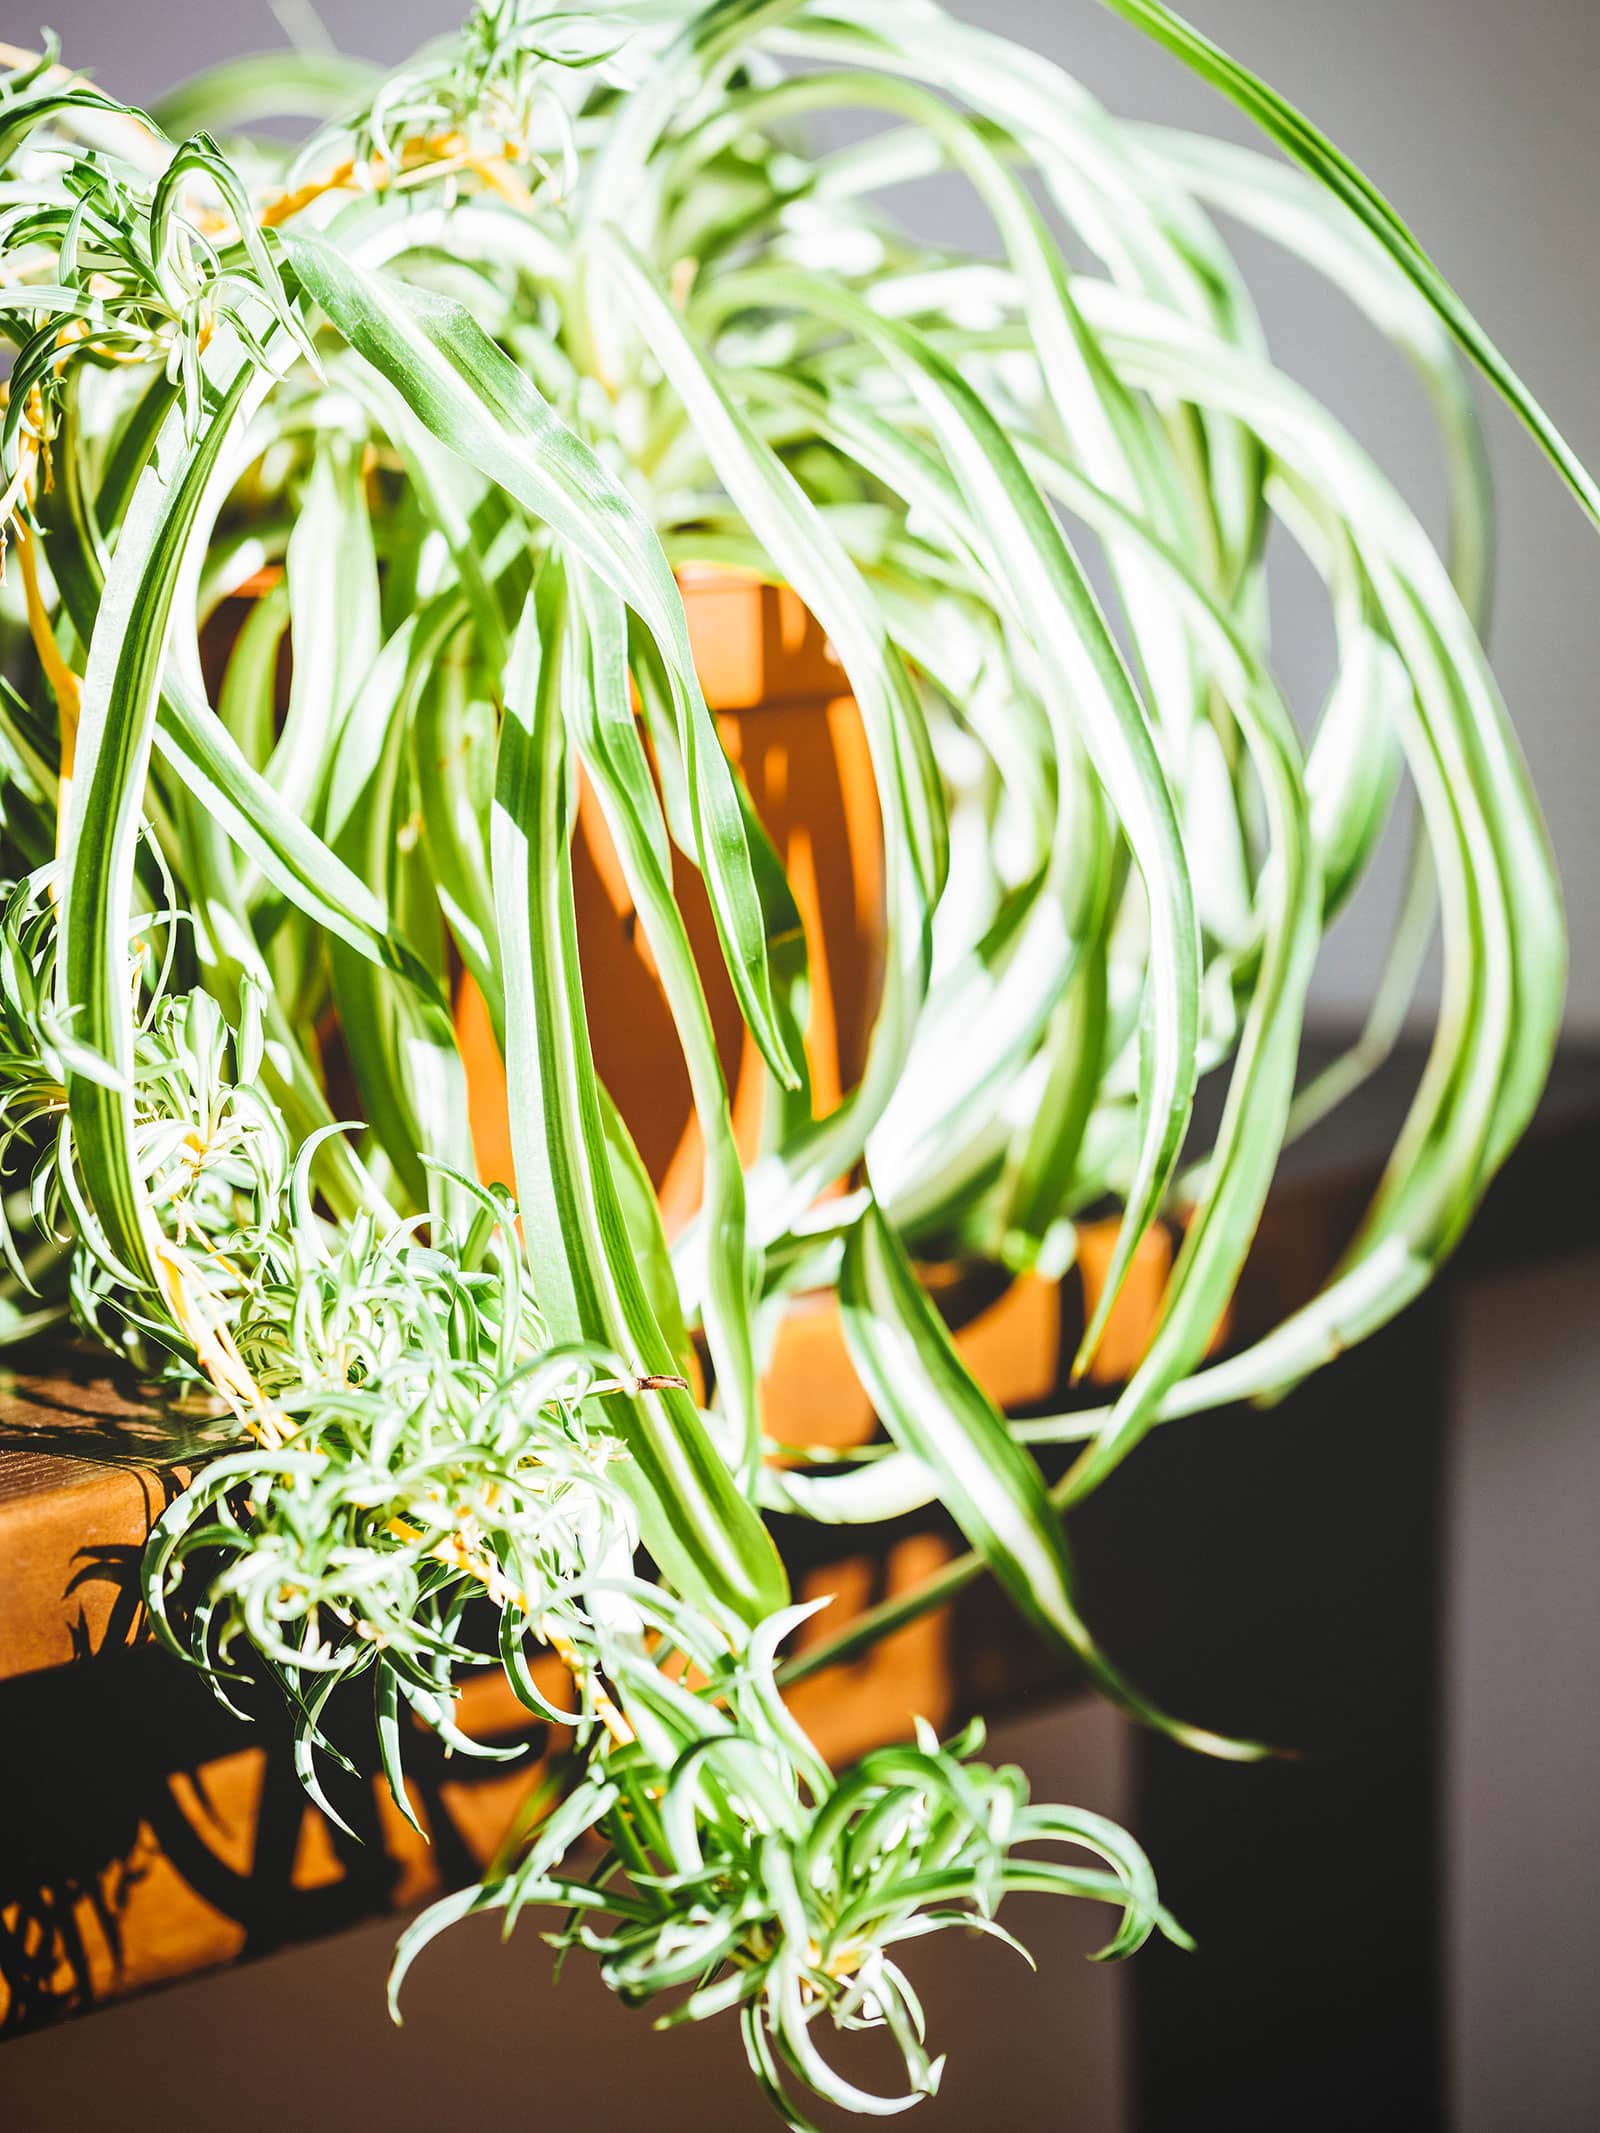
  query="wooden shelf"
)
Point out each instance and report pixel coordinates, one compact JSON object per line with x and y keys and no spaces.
{"x":149,"y":1835}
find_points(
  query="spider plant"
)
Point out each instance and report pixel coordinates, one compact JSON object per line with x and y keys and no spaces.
{"x":565,"y":304}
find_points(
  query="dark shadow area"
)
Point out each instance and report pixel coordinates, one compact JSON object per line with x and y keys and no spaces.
{"x":1252,"y":1574}
{"x":109,"y":1777}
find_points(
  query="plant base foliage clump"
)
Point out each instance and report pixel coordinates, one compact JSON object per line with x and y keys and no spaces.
{"x":452,"y":392}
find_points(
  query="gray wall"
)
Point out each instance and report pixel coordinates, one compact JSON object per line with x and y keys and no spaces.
{"x":1477,"y":117}
{"x":1522,"y":1720}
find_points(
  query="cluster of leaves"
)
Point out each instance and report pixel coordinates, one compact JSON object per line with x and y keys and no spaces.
{"x":740,"y":1872}
{"x":456,"y":388}
{"x":111,"y":264}
{"x":494,"y":105}
{"x":422,"y":1456}
{"x":210,"y":1148}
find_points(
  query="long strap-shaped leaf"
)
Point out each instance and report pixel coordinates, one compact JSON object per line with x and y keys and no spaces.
{"x":198,"y":749}
{"x":932,"y":1407}
{"x":1152,"y":238}
{"x":698,"y":1527}
{"x":607,"y":737}
{"x":122,"y":688}
{"x":401,"y":1043}
{"x":797,"y":538}
{"x":1507,"y":942}
{"x":1292,"y":209}
{"x":1051,"y":600}
{"x":478,"y":403}
{"x":1311,"y":147}
{"x":76,"y":103}
{"x":1096,"y":412}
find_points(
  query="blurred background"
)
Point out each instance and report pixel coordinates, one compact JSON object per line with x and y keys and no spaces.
{"x":1478,"y":120}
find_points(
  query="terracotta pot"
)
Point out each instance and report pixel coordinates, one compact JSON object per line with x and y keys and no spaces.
{"x":794,"y":731}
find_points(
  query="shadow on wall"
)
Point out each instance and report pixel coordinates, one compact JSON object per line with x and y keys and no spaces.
{"x":149,"y":1832}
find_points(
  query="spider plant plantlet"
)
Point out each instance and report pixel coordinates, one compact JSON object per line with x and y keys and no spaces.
{"x":456,"y":391}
